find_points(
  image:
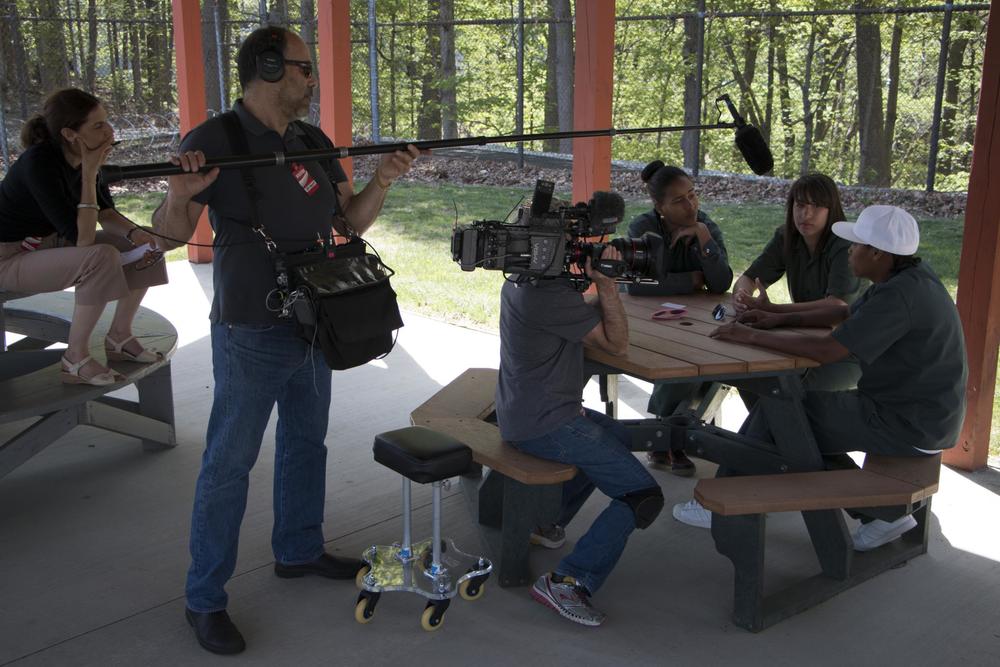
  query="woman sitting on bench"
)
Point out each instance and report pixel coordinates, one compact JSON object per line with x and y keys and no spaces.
{"x":694,"y":260}
{"x":50,"y":204}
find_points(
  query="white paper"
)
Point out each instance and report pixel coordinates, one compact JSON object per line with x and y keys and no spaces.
{"x":135,"y":254}
{"x":673,"y":306}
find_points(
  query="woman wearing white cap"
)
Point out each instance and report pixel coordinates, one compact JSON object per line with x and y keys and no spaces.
{"x":906,"y":333}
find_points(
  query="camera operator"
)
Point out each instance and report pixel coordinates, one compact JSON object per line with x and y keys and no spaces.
{"x":544,"y":325}
{"x":259,"y":359}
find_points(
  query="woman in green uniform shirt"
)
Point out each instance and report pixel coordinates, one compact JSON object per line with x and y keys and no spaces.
{"x":814,"y":263}
{"x":694,"y":260}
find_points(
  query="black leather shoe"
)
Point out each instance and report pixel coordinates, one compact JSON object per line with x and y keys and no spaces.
{"x":331,"y":567}
{"x":215,"y":631}
{"x":675,"y":461}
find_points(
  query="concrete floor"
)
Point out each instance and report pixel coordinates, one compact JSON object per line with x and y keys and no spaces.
{"x":93,"y":551}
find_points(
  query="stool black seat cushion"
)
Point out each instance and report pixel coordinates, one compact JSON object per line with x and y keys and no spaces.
{"x":421,"y":454}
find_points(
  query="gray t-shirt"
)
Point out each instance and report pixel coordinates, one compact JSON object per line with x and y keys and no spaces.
{"x":908,"y":337}
{"x":542,"y":326}
{"x":295,"y":204}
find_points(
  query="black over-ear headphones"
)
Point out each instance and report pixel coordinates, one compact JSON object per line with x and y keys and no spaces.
{"x":270,"y":61}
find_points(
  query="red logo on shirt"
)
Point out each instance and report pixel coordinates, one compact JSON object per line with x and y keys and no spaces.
{"x":307,"y":182}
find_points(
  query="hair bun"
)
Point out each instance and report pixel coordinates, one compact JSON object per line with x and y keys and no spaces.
{"x":650,"y":169}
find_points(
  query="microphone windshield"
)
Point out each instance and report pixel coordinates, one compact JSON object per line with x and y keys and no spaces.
{"x":754,"y":149}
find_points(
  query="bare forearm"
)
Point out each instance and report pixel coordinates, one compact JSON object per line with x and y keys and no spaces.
{"x":823,"y":349}
{"x":805,"y":306}
{"x":819,"y":315}
{"x":744,"y":283}
{"x":86,"y":214}
{"x":173,"y":219}
{"x":364,"y":207}
{"x":613,"y":318}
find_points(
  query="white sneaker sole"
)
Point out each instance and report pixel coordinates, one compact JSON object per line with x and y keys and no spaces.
{"x":539,"y":540}
{"x":890,"y":536}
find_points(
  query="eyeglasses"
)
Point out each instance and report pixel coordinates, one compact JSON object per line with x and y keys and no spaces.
{"x":719,"y":312}
{"x":305,"y":66}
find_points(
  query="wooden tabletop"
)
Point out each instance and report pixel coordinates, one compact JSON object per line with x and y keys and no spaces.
{"x":680,"y":348}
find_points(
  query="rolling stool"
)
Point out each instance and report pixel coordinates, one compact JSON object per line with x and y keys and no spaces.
{"x":426,"y":568}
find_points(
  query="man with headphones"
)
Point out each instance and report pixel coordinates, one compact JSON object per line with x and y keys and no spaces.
{"x":258,"y":359}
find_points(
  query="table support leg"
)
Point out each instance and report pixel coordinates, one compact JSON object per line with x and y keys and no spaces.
{"x":741,"y":540}
{"x":609,"y":394}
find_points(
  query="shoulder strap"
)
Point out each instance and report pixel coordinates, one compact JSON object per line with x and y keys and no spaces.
{"x":315,"y":139}
{"x":239,"y":145}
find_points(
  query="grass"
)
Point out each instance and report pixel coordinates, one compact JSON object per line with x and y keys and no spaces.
{"x":413,"y":236}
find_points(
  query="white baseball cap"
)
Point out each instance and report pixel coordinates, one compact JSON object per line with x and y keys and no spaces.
{"x":888,"y":228}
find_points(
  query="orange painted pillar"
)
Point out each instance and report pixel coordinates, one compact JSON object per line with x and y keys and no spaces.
{"x":191,"y":97}
{"x":979,"y":270}
{"x":334,"y":49}
{"x":592,"y":89}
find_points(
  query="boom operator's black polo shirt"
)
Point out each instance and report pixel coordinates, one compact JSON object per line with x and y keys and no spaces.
{"x":292,"y":207}
{"x":810,"y":276}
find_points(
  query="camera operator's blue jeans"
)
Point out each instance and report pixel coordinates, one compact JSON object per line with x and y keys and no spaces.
{"x":254,"y":368}
{"x":599,"y":447}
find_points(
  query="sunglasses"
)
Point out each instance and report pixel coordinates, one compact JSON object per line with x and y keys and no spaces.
{"x":305,"y":66}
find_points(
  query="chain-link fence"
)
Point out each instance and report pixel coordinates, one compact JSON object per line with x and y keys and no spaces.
{"x":875,"y":95}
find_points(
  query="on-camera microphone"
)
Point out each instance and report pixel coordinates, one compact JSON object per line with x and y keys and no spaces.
{"x":750,"y":141}
{"x":607,"y":209}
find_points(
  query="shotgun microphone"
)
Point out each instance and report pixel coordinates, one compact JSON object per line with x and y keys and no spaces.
{"x":750,"y":141}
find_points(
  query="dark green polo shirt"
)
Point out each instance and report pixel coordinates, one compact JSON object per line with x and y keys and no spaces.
{"x":811,"y":277}
{"x":683,"y":259}
{"x":908,"y":337}
{"x":295,"y":203}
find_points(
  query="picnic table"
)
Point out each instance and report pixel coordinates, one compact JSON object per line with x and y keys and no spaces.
{"x":786,"y":475}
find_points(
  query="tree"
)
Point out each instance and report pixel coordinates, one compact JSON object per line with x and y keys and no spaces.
{"x":50,"y":47}
{"x":873,"y":168}
{"x":429,"y":114}
{"x":693,"y":35}
{"x":447,"y":82}
{"x":90,"y":68}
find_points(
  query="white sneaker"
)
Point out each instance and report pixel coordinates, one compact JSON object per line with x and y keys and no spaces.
{"x":872,"y":535}
{"x":693,"y":514}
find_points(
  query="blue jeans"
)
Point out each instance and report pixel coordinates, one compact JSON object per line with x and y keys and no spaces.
{"x":599,"y":447}
{"x":254,"y":368}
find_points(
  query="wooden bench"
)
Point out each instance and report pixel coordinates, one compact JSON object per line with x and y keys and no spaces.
{"x":884,"y":488}
{"x":30,"y":384}
{"x":6,"y":296}
{"x":511,"y":492}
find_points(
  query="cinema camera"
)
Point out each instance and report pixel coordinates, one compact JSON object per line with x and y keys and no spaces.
{"x":545,"y":243}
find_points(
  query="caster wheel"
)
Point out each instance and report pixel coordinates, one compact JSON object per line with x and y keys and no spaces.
{"x":472,"y":589}
{"x":364,"y":610}
{"x":359,"y":579}
{"x":433,"y":617}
